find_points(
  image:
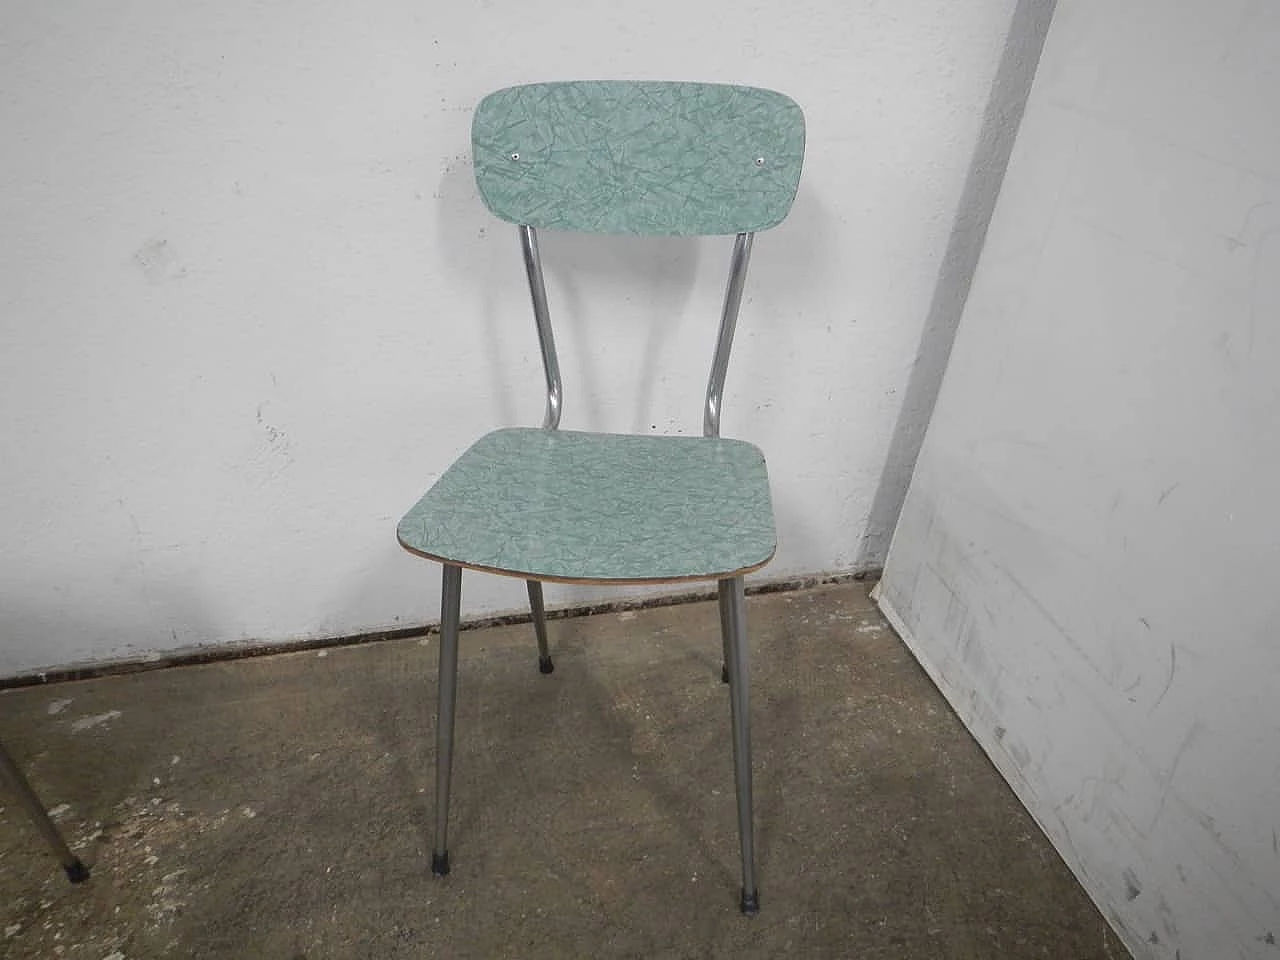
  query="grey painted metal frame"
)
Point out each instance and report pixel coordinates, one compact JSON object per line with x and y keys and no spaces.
{"x":733,"y":618}
{"x":740,"y":259}
{"x":724,"y":340}
{"x":738,"y":263}
{"x":726,"y":627}
{"x":450,"y":610}
{"x":12,"y":774}
{"x":542,"y":316}
{"x":551,"y":421}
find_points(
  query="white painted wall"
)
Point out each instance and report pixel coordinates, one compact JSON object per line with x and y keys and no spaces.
{"x":1088,"y":558}
{"x":251,"y":307}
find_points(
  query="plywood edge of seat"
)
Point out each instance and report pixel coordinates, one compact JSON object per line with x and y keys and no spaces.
{"x":596,"y":581}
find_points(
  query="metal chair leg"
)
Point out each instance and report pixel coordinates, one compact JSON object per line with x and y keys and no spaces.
{"x":540,"y":625}
{"x":725,"y":630}
{"x":76,"y":871}
{"x":732,"y":599}
{"x":450,"y":608}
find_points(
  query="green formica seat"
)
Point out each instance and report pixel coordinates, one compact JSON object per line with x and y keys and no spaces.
{"x":573,"y":507}
{"x":544,"y":504}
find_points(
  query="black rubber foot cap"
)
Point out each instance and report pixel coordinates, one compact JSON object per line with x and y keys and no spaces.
{"x":545,"y":665}
{"x":77,"y":872}
{"x":724,"y":673}
{"x":440,"y":864}
{"x":750,"y":903}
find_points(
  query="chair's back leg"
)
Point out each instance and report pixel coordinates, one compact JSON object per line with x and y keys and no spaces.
{"x":732,"y":599}
{"x":76,"y":871}
{"x":725,"y":629}
{"x":540,"y":625}
{"x":450,"y":611}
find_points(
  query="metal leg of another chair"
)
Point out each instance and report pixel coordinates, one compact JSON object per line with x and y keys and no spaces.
{"x":733,"y":599}
{"x":76,"y":871}
{"x":540,"y":625}
{"x":450,"y":608}
{"x":725,"y":630}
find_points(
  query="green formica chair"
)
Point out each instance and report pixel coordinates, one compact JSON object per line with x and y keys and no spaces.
{"x":544,"y":504}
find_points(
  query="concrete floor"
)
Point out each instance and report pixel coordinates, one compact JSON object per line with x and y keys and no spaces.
{"x":279,"y":807}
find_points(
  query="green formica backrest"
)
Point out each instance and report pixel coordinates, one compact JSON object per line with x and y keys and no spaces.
{"x":639,"y":157}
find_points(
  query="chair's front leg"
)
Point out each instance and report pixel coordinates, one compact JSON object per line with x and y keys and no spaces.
{"x":733,"y":602}
{"x":450,"y":609}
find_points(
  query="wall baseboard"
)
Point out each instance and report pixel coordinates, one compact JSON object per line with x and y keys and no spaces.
{"x":243,"y":650}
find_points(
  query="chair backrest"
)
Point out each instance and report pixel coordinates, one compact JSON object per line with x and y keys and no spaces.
{"x":638,"y":157}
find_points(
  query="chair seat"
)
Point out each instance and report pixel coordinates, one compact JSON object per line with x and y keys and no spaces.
{"x":584,"y":507}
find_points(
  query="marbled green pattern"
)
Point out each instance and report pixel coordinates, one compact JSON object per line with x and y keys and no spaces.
{"x":564,"y":505}
{"x":639,"y":157}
